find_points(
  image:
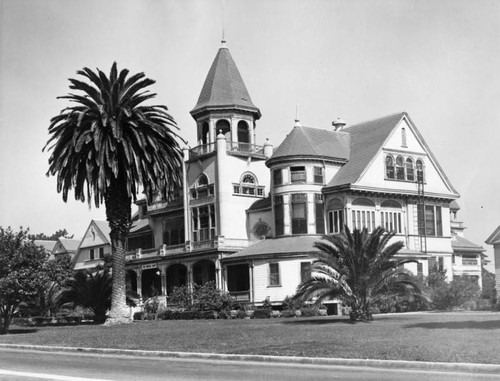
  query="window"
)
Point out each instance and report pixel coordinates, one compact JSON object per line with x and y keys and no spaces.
{"x":363,"y":214}
{"x":403,"y":137}
{"x":298,"y":174}
{"x":420,"y":170}
{"x":143,"y":241}
{"x":319,"y":213}
{"x":202,"y":188}
{"x":203,"y":223}
{"x":430,"y":221}
{"x":101,"y":252}
{"x":400,"y":168}
{"x":92,"y":254}
{"x":248,"y":186}
{"x":318,"y":175}
{"x":173,"y":236}
{"x":277,"y":177}
{"x":305,"y":271}
{"x":278,"y":215}
{"x":420,"y":269}
{"x":440,"y":264}
{"x":389,"y":167}
{"x":299,"y":213}
{"x":335,"y":221}
{"x":469,"y":260}
{"x":335,"y":216}
{"x":390,"y":216}
{"x":274,"y":274}
{"x":410,"y":176}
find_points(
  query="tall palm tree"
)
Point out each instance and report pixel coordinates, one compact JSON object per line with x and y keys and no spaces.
{"x":107,"y":146}
{"x":356,"y":268}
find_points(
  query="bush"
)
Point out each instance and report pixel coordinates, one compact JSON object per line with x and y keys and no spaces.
{"x":288,"y":313}
{"x":310,"y":310}
{"x":262,"y":313}
{"x":139,"y":315}
{"x":202,"y":298}
{"x":207,"y":315}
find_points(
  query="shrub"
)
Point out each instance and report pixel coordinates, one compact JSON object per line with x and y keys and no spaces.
{"x":224,"y":315}
{"x":288,"y":313}
{"x":207,"y":315}
{"x":262,"y":313}
{"x":139,"y":315}
{"x":310,"y":310}
{"x":275,"y":313}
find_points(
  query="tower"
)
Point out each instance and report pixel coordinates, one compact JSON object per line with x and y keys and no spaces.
{"x":224,"y":104}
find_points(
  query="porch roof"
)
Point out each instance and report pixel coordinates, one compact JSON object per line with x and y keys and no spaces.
{"x":299,"y":244}
{"x":460,"y":244}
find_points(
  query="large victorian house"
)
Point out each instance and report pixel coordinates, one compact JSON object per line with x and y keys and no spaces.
{"x":248,"y":215}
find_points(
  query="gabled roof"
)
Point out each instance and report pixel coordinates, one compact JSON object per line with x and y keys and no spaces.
{"x":69,"y":244}
{"x":494,"y":238}
{"x":461,"y":244}
{"x":48,"y":245}
{"x":303,"y":244}
{"x":313,"y":143}
{"x":367,"y":139}
{"x":224,"y":87}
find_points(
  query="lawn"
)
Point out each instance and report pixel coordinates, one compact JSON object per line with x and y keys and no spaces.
{"x":448,"y":337}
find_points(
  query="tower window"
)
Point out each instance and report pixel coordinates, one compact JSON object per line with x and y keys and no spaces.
{"x":277,"y":177}
{"x":278,"y":215}
{"x":319,"y":211}
{"x":298,"y":174}
{"x":243,"y":133}
{"x":299,"y":213}
{"x":318,"y":175}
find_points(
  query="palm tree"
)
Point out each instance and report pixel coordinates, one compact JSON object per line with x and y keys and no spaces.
{"x":107,"y":147}
{"x":356,"y":268}
{"x":90,"y":290}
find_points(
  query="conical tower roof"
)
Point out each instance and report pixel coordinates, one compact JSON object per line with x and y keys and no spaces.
{"x":224,"y":88}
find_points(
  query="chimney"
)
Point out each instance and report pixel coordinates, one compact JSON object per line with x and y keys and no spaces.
{"x":338,"y":124}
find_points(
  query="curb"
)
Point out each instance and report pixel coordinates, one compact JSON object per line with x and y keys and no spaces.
{"x":381,"y":364}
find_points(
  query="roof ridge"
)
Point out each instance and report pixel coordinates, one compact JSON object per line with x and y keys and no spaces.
{"x":401,"y":113}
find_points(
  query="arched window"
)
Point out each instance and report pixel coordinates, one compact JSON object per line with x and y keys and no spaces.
{"x":363,"y":214}
{"x":205,"y":138}
{"x":389,"y":167}
{"x":400,"y":168}
{"x":410,"y":176}
{"x":223,"y":127}
{"x":335,"y":216}
{"x":403,"y":137}
{"x":390,"y":216}
{"x":202,"y":188}
{"x":420,"y":170}
{"x":243,"y":133}
{"x":248,"y":186}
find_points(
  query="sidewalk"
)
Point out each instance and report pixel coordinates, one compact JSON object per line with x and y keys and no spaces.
{"x":380,"y":364}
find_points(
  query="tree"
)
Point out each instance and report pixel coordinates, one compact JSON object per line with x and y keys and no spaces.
{"x":356,"y":268}
{"x":108,"y":146}
{"x":59,"y":233}
{"x":21,"y":265}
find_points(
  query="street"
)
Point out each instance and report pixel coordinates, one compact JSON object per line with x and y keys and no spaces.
{"x":37,"y":365}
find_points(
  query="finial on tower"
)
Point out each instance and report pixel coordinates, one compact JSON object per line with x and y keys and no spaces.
{"x":223,"y":41}
{"x":297,"y":119}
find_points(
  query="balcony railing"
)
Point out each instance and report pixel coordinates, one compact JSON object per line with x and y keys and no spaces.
{"x":201,"y":150}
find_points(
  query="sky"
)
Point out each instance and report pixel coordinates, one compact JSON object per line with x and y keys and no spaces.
{"x":357,"y":60}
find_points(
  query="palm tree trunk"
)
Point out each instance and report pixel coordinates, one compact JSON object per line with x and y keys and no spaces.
{"x":118,"y":208}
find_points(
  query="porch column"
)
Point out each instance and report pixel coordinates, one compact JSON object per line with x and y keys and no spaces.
{"x":139,"y":281}
{"x":163,"y":274}
{"x":189,"y":273}
{"x":218,"y":277}
{"x":251,"y":281}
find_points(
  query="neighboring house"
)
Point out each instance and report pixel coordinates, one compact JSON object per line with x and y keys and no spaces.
{"x":494,"y":240}
{"x":247,"y":216}
{"x":65,"y":246}
{"x":48,"y":245}
{"x":94,"y":245}
{"x":467,"y":256}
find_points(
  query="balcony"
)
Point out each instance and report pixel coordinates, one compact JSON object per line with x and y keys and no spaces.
{"x":242,"y":149}
{"x":218,"y":242}
{"x":161,"y":206}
